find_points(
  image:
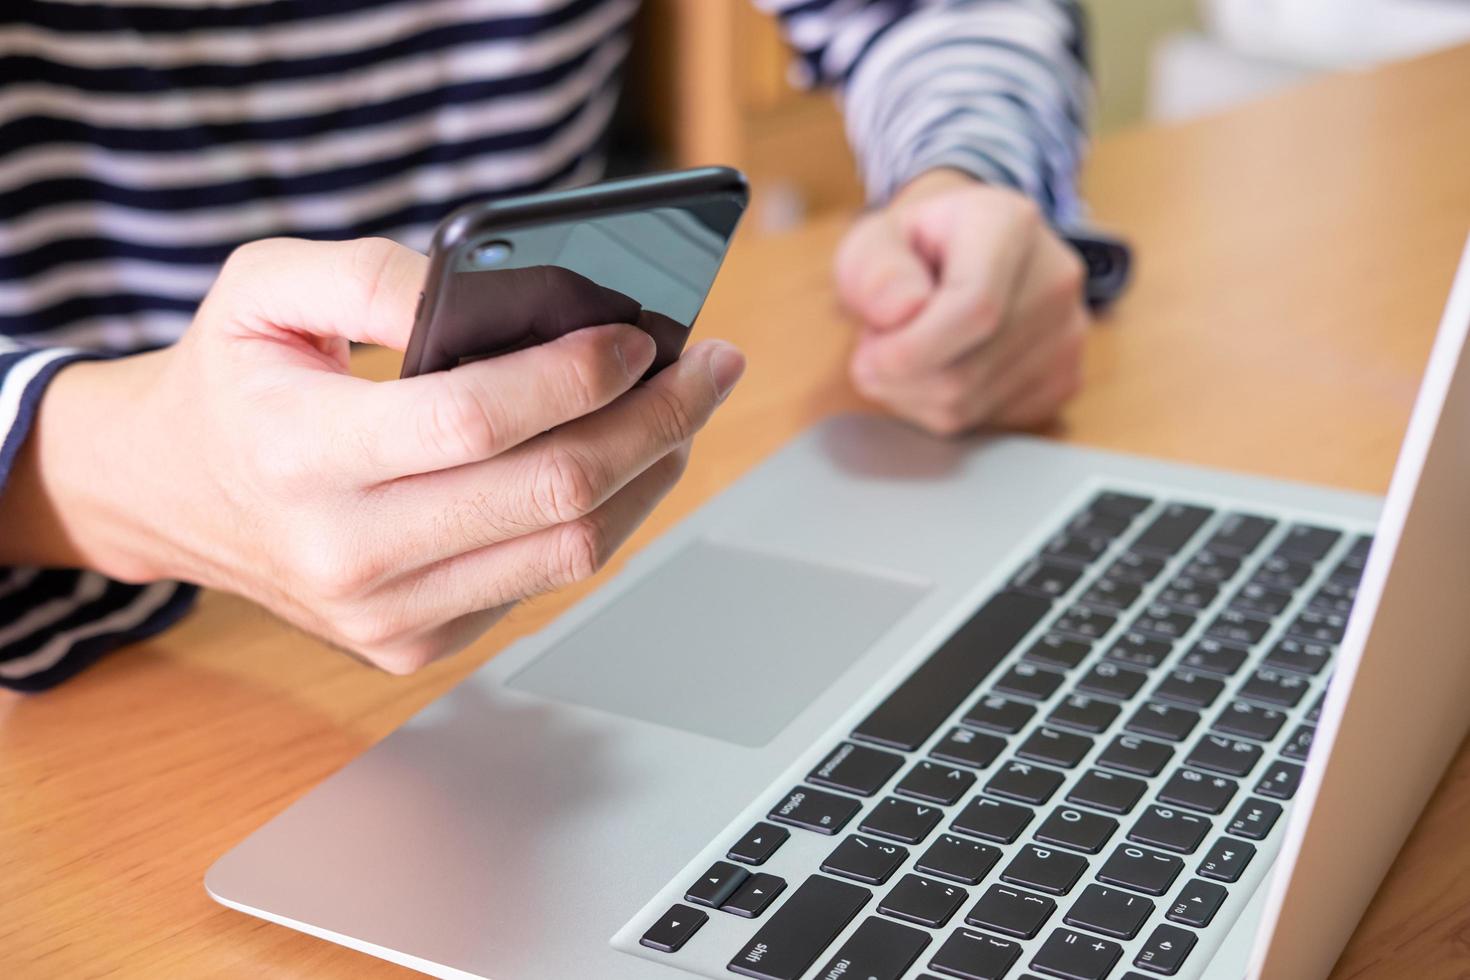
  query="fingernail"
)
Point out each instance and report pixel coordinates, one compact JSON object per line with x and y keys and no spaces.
{"x":636,"y":350}
{"x":726,"y":365}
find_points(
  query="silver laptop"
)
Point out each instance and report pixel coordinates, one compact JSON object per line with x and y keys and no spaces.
{"x":892,"y":707}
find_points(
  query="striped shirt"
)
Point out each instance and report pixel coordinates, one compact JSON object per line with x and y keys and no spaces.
{"x":142,"y":140}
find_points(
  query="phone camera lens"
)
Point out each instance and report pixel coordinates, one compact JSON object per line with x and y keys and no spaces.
{"x":488,"y":255}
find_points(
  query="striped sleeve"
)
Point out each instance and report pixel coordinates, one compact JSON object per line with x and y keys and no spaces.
{"x":54,"y":622}
{"x":996,"y":88}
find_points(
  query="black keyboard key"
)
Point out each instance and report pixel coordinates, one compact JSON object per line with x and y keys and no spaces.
{"x":1055,"y":748}
{"x":1227,"y":859}
{"x":993,"y":820}
{"x":1112,"y":593}
{"x":1254,"y":819}
{"x":1260,"y":601}
{"x":673,"y":929}
{"x":909,"y":715}
{"x":1281,"y":572}
{"x":1165,"y":949}
{"x":1318,"y":627}
{"x":797,"y":932}
{"x":1197,"y":903}
{"x":1045,"y":869}
{"x":1214,"y":657}
{"x":968,"y":748}
{"x":1024,"y":782}
{"x":1189,"y":593}
{"x":1247,"y":720}
{"x":758,"y":844}
{"x":1307,"y":542}
{"x":856,"y":769}
{"x":1228,"y":756}
{"x":1084,"y":714}
{"x":958,"y":859}
{"x":1098,"y":524}
{"x":1140,"y":650}
{"x":717,"y":884}
{"x":1109,"y":911}
{"x":1107,"y":791}
{"x":1173,"y":830}
{"x":1163,"y":721}
{"x":1077,"y":829}
{"x":813,"y":809}
{"x":1027,"y":680}
{"x":1084,"y":622}
{"x":935,"y":782}
{"x":864,"y":859}
{"x":1139,"y":868}
{"x":1198,"y":791}
{"x":900,"y":820}
{"x":1212,"y":566}
{"x":972,"y":956}
{"x":1334,"y":597}
{"x":877,"y":950}
{"x":1012,"y":912}
{"x":1075,"y":956}
{"x":1240,"y":534}
{"x":999,"y":714}
{"x":1047,"y":579}
{"x":1234,"y":626}
{"x":1076,"y":549}
{"x":1140,"y":756}
{"x":1360,"y":548}
{"x":1314,"y":713}
{"x":1055,"y":650}
{"x":1189,"y":688}
{"x":1111,"y":680}
{"x":1171,"y":530}
{"x":1118,"y":504}
{"x":1283,"y":689}
{"x":1134,"y":567}
{"x":1302,"y":656}
{"x":1161,"y":620}
{"x":1280,"y":781}
{"x":753,"y":897}
{"x":1300,"y":743}
{"x":918,"y":899}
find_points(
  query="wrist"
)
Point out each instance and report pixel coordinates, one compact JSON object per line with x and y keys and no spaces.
{"x":940,"y":180}
{"x":75,"y":497}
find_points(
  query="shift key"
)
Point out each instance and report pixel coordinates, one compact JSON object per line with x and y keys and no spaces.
{"x":800,"y":930}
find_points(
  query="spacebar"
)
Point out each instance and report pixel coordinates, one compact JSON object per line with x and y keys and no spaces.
{"x":805,"y":925}
{"x":918,"y":706}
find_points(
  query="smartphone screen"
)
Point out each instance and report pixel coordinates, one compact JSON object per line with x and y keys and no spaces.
{"x":644,"y":252}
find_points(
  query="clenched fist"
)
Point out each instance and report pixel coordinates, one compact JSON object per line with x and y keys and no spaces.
{"x":970,"y":308}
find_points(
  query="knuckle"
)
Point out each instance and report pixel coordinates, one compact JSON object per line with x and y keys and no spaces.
{"x":365,"y":264}
{"x":402,"y":659}
{"x":581,"y":552}
{"x":459,"y":423}
{"x":566,"y":487}
{"x":329,"y":569}
{"x":589,"y":375}
{"x":671,"y":419}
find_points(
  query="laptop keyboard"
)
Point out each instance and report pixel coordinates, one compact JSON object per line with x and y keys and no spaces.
{"x":1081,"y":810}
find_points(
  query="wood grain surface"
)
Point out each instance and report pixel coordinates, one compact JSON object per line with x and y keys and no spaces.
{"x":1293,"y":257}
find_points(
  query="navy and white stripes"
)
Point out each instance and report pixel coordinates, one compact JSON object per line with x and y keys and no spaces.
{"x":143,"y":140}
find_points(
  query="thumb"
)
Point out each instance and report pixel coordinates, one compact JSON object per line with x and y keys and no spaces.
{"x":364,"y":291}
{"x":881,"y":279}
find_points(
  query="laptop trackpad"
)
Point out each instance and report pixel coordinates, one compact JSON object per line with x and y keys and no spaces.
{"x":722,"y":641}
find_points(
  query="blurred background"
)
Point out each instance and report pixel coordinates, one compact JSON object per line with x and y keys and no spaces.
{"x":710,"y":80}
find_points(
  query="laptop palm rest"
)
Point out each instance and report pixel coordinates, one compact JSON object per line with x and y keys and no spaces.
{"x":722,"y":641}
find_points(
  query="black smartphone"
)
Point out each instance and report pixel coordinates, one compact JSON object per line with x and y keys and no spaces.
{"x":519,"y":271}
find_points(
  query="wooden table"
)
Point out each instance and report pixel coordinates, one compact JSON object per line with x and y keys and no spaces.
{"x":1294,"y":256}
